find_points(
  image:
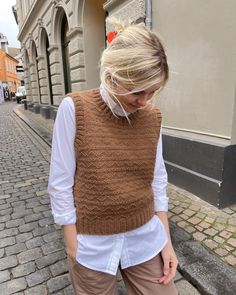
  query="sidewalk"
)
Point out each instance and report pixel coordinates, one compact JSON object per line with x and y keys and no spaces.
{"x":204,"y":237}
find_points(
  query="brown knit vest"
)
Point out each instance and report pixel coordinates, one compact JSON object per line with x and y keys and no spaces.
{"x":115,"y":166}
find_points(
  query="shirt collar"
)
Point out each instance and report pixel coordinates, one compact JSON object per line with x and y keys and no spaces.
{"x":115,"y":108}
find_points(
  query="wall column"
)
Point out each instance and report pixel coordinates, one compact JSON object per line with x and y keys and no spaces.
{"x":28,"y":83}
{"x":77,"y":62}
{"x":56,"y":75}
{"x":34,"y":83}
{"x":42,"y":74}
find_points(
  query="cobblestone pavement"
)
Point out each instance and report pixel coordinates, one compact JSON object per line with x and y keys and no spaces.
{"x":32,"y":256}
{"x":215,"y":229}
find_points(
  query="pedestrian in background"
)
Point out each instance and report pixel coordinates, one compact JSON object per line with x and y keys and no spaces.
{"x":107,"y":177}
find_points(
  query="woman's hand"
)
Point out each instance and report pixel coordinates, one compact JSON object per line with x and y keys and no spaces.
{"x":70,"y":237}
{"x":170,"y":264}
{"x":168,"y":254}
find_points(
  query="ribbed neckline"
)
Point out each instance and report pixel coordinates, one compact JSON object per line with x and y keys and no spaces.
{"x":104,"y":108}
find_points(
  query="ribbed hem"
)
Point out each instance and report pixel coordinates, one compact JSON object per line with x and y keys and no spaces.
{"x":99,"y":226}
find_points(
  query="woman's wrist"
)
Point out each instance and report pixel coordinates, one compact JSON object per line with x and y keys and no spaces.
{"x":70,"y":238}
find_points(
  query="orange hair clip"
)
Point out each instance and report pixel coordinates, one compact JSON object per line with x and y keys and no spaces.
{"x":111,"y":36}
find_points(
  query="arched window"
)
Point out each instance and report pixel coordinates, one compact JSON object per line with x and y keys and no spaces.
{"x":36,"y":71}
{"x":48,"y":70}
{"x":65,"y":53}
{"x":45,"y":50}
{"x":27,"y":76}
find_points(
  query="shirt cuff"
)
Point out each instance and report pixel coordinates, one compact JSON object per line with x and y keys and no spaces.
{"x":64,"y":219}
{"x":161,"y":203}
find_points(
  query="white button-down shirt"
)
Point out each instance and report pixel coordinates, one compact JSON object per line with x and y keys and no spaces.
{"x":102,"y":252}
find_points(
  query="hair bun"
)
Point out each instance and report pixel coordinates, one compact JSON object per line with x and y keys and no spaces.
{"x":117,"y":25}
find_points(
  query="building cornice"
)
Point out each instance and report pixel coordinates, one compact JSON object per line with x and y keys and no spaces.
{"x":30,"y":17}
{"x":10,"y":57}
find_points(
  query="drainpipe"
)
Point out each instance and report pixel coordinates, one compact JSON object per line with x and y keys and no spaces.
{"x":148,"y":19}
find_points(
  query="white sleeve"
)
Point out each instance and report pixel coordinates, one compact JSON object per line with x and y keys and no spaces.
{"x":63,"y":165}
{"x":160,"y":181}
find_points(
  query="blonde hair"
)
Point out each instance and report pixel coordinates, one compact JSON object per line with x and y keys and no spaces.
{"x":134,"y":58}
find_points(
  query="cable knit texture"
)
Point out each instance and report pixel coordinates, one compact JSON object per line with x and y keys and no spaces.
{"x":112,"y":185}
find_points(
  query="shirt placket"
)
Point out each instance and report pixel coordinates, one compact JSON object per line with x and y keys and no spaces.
{"x":118,"y":241}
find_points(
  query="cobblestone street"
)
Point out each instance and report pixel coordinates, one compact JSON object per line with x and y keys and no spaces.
{"x":32,"y":255}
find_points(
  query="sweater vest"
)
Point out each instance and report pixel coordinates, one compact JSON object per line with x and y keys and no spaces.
{"x":115,"y":165}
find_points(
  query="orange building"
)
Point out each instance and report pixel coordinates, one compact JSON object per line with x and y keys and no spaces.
{"x":8,"y":75}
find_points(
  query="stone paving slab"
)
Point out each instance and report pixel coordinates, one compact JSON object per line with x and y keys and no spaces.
{"x":185,"y":288}
{"x":215,"y":229}
{"x":210,"y":274}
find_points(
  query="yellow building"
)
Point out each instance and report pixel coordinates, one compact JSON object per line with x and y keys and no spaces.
{"x":8,"y":75}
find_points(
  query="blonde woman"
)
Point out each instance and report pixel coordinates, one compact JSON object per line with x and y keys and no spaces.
{"x":107,"y":177}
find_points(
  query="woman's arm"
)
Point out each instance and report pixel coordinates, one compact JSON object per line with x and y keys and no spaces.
{"x":70,"y":238}
{"x":62,"y":170}
{"x":159,"y":186}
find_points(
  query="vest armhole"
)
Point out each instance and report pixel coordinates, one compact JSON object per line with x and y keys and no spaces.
{"x":159,"y":122}
{"x":79,"y":121}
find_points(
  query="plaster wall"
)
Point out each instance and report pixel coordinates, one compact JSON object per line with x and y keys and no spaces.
{"x":199,"y":37}
{"x":94,"y":40}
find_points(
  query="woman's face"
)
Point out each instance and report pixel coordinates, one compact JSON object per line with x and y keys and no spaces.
{"x":136,"y":100}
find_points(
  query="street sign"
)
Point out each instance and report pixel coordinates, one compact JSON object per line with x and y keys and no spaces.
{"x":19,"y":69}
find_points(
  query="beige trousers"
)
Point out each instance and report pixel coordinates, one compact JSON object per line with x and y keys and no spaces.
{"x":140,"y":279}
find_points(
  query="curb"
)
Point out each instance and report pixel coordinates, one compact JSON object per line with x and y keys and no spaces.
{"x":209,"y":274}
{"x":43,"y":134}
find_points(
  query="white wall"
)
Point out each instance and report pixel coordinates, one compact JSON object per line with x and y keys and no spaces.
{"x":199,"y":37}
{"x":94,"y":40}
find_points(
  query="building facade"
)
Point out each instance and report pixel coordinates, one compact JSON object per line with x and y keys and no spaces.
{"x":62,"y":41}
{"x":9,"y":80}
{"x":58,"y":38}
{"x":9,"y":77}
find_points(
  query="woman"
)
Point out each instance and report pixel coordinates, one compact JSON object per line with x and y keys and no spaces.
{"x":107,"y":177}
